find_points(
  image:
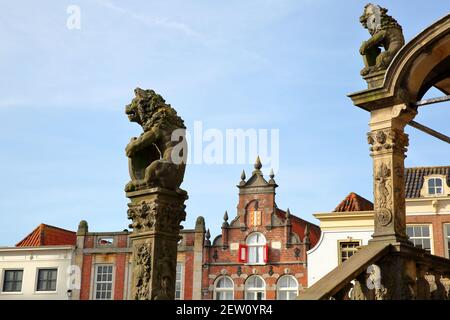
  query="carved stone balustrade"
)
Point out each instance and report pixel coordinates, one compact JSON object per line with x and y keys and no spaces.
{"x":385,"y":272}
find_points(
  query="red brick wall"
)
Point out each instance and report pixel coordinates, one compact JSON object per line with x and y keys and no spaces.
{"x":280,"y":261}
{"x":122,"y":241}
{"x":119,"y":281}
{"x":437,"y":224}
{"x":86,"y":277}
{"x":188,"y":275}
{"x":89,"y":242}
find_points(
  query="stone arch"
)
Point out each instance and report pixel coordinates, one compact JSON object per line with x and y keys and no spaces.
{"x":422,"y":63}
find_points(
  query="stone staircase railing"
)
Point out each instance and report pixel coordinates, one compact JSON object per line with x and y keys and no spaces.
{"x":372,"y":273}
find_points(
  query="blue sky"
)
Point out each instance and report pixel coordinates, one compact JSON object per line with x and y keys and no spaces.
{"x":275,"y":64}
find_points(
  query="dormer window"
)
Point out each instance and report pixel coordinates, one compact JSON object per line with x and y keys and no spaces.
{"x":435,"y":186}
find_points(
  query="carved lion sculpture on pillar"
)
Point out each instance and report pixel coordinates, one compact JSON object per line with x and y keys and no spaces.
{"x":157,"y":157}
{"x":386,"y":33}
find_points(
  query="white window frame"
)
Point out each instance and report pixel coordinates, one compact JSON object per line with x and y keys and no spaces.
{"x":435,"y":187}
{"x":254,"y":248}
{"x":288,"y":290}
{"x":430,"y":237}
{"x":94,"y":285}
{"x":36,"y":282}
{"x":181,"y":281}
{"x":446,"y":240}
{"x":4,"y":277}
{"x":228,"y":289}
{"x":425,"y":190}
{"x":253,"y":290}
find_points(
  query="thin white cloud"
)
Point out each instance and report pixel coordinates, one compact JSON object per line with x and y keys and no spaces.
{"x":12,"y":102}
{"x":151,"y":22}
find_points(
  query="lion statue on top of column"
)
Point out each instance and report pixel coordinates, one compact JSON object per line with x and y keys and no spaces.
{"x":157,"y":158}
{"x":386,"y":33}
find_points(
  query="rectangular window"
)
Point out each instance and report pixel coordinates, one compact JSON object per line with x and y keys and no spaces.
{"x":12,"y":281}
{"x":420,"y":236}
{"x":103,"y":282}
{"x":435,"y":186}
{"x":347,"y":249}
{"x":256,"y":254}
{"x":179,"y":282}
{"x":47,"y":279}
{"x":447,"y":238}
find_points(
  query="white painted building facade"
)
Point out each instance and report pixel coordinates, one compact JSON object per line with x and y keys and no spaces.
{"x":427,"y":218}
{"x":37,"y":273}
{"x":339,"y":229}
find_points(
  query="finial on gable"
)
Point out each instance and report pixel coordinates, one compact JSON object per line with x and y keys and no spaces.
{"x":208,"y":237}
{"x":225,"y":220}
{"x":243,"y":177}
{"x":257,"y":166}
{"x":272,"y":176}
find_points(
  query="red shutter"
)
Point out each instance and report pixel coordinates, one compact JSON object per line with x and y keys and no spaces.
{"x":266,"y":253}
{"x":242,"y":253}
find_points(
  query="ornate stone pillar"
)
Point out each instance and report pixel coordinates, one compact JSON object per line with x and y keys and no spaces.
{"x":156,"y":215}
{"x":388,"y":147}
{"x":157,"y":162}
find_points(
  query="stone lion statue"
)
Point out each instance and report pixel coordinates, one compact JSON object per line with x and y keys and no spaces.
{"x":386,"y":33}
{"x":157,"y":157}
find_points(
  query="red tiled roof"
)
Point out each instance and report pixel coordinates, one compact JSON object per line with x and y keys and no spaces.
{"x":354,"y":202}
{"x":45,"y":235}
{"x":299,"y":226}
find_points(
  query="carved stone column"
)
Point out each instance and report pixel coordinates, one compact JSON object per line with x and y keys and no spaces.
{"x":388,"y":147}
{"x":156,"y":215}
{"x":157,"y":162}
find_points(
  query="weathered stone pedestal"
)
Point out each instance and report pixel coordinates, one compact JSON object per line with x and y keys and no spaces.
{"x":156,"y":215}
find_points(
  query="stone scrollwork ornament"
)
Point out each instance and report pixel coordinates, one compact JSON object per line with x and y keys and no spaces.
{"x":384,"y":216}
{"x":142,"y":271}
{"x":383,"y":194}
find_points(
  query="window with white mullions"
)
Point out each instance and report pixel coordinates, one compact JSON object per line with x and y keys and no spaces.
{"x":435,"y":186}
{"x":47,"y":279}
{"x":419,"y":235}
{"x":256,"y":246}
{"x":255,"y":288}
{"x":12,"y":281}
{"x":103,"y":282}
{"x":179,"y":282}
{"x":447,"y":237}
{"x":224,"y":289}
{"x":287,"y":288}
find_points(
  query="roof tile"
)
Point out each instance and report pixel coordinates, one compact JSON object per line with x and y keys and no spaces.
{"x":46,"y":235}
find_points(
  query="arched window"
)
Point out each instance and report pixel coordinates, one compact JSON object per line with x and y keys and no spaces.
{"x":434,"y":186}
{"x":255,"y":288}
{"x":257,"y":249}
{"x":224,"y":289}
{"x":287,"y":288}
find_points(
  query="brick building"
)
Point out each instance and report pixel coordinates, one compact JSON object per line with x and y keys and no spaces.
{"x":104,"y":259}
{"x":261,"y":253}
